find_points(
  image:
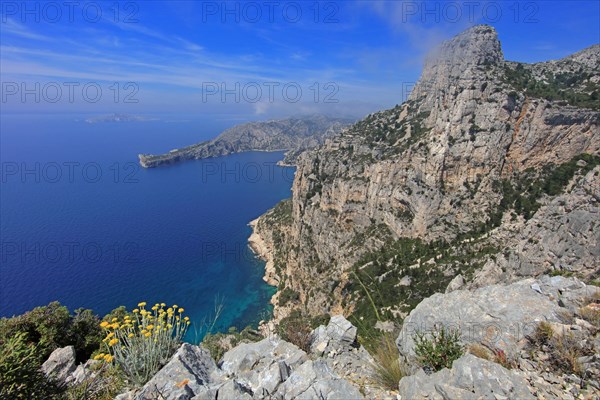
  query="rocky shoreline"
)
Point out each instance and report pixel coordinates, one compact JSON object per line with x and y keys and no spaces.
{"x":262,"y":250}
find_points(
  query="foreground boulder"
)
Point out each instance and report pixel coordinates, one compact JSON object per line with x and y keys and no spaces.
{"x":187,"y":374}
{"x":315,"y":380}
{"x":269,"y":369}
{"x":261,"y":367}
{"x":338,"y":347}
{"x":498,"y":316}
{"x":470,"y":378}
{"x":60,"y":365}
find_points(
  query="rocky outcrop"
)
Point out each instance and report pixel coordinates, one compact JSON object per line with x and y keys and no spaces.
{"x":294,"y":135}
{"x":337,"y":346}
{"x":261,"y":367}
{"x":315,"y":380}
{"x":189,"y":372}
{"x":269,"y":369}
{"x":500,"y":324}
{"x":60,"y":365}
{"x":500,"y":316}
{"x":469,"y":378}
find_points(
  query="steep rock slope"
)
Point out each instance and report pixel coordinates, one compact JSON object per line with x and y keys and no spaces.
{"x":409,"y":197}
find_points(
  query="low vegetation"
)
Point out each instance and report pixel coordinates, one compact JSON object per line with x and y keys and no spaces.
{"x":20,"y":374}
{"x":388,"y":367}
{"x":51,"y":327}
{"x":406,"y":260}
{"x":437,"y":349}
{"x":219,"y":343}
{"x":523,"y":192}
{"x":573,"y":88}
{"x":105,"y":384}
{"x":296,"y":328}
{"x":129,"y":347}
{"x":563,"y":349}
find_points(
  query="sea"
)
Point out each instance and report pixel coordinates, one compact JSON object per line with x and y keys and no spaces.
{"x":83,"y":224}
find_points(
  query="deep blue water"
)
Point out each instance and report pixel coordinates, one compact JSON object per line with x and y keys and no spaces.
{"x":81,"y":223}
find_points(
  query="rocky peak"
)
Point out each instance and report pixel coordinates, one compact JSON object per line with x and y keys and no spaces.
{"x":475,"y":46}
{"x":456,"y":58}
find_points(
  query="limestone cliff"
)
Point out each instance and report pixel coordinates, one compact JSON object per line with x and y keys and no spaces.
{"x":484,"y":157}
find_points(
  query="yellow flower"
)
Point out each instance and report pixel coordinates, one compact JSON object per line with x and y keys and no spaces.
{"x":142,"y":304}
{"x":112,"y":342}
{"x":130,"y":335}
{"x":115,"y":319}
{"x":108,"y":358}
{"x":150,"y":326}
{"x":110,"y":334}
{"x":143,"y":331}
{"x":103,"y":324}
{"x":162,"y":304}
{"x":180,"y":310}
{"x":115,"y":325}
{"x":99,"y":356}
{"x":136,"y":311}
{"x":188,"y":322}
{"x":154,"y":308}
{"x":186,"y":319}
{"x":148,"y":334}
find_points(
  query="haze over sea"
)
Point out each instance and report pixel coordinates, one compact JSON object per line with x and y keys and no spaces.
{"x":176,"y":234}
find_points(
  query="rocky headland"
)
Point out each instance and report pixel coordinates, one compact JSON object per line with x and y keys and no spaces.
{"x":293,"y":135}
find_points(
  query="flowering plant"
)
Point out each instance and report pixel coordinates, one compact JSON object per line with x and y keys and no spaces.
{"x":143,"y":341}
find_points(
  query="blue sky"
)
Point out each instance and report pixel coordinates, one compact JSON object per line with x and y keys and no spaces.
{"x":347,"y":58}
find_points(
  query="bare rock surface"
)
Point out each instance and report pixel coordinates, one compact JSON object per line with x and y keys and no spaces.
{"x":470,"y":378}
{"x":60,"y":365}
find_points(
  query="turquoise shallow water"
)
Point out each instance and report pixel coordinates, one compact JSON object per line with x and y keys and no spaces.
{"x":81,"y":223}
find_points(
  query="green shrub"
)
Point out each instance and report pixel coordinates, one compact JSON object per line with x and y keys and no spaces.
{"x":105,"y":384}
{"x":20,"y":374}
{"x":84,"y":333}
{"x":438,"y":349}
{"x":288,"y":295}
{"x":296,"y":329}
{"x":219,"y":343}
{"x":51,"y":327}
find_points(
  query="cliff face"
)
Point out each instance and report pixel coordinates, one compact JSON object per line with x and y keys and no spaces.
{"x":292,"y":134}
{"x":480,"y":144}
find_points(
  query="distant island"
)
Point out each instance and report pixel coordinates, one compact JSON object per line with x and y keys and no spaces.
{"x":118,"y":118}
{"x":293,"y":135}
